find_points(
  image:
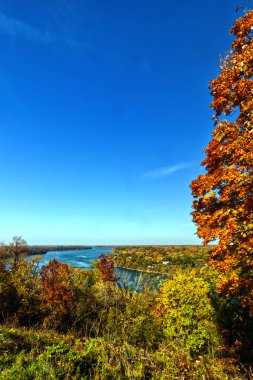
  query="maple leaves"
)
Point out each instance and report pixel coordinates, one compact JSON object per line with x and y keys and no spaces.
{"x":105,"y":268}
{"x":56,"y":288}
{"x":61,"y":286}
{"x":223,"y":208}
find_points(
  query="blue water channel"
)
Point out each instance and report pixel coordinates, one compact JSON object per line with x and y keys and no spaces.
{"x":83,"y":258}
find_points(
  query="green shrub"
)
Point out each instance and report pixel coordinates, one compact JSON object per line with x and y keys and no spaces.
{"x":187,"y":314}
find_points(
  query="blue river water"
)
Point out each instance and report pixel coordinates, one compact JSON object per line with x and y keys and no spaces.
{"x":83,"y":258}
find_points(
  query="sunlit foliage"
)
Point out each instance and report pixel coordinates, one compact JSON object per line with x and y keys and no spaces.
{"x":160,"y":259}
{"x":81,"y":326}
{"x":105,"y":267}
{"x":56,"y":291}
{"x":186,"y":313}
{"x":223,"y":209}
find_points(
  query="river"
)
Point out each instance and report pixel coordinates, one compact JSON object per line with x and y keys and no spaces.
{"x":83,"y":258}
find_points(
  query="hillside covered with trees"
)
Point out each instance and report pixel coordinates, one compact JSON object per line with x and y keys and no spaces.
{"x":160,"y":259}
{"x":65,"y":323}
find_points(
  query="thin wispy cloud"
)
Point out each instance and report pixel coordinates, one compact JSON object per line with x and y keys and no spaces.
{"x":20,"y":29}
{"x":16,"y":28}
{"x":166,"y":171}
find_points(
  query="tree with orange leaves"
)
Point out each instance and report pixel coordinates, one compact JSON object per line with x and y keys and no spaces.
{"x":56,"y":289}
{"x":105,"y":269}
{"x":223,"y":205}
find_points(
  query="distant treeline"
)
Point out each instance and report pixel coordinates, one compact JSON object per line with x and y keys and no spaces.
{"x":160,"y":258}
{"x":31,"y":250}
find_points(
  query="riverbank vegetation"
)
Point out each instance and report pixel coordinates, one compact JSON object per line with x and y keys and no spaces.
{"x":59,"y":322}
{"x":19,"y":247}
{"x":160,"y":259}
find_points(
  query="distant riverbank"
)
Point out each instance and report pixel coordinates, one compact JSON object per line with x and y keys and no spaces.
{"x":140,"y":270}
{"x":33,"y":250}
{"x":37,"y":250}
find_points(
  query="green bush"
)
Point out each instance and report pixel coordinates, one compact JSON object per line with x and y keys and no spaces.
{"x":187,"y":314}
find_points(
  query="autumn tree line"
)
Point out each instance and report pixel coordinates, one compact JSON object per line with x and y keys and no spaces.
{"x":160,"y":259}
{"x":85,"y":325}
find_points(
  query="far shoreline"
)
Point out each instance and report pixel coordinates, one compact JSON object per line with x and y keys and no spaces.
{"x":34,"y":250}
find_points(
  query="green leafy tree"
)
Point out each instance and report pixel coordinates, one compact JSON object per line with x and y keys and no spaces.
{"x":186,"y":312}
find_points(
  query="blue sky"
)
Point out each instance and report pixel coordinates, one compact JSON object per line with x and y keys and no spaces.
{"x":104,"y":114}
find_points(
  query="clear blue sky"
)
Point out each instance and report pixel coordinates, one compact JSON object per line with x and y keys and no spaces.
{"x":104,"y":114}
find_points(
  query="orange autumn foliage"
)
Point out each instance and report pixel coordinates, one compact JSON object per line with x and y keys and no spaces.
{"x":56,"y":287}
{"x":223,"y":205}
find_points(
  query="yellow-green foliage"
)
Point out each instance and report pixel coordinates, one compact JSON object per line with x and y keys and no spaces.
{"x":19,"y":292}
{"x":110,"y":332}
{"x":160,"y":259}
{"x":45,"y":355}
{"x":186,"y":313}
